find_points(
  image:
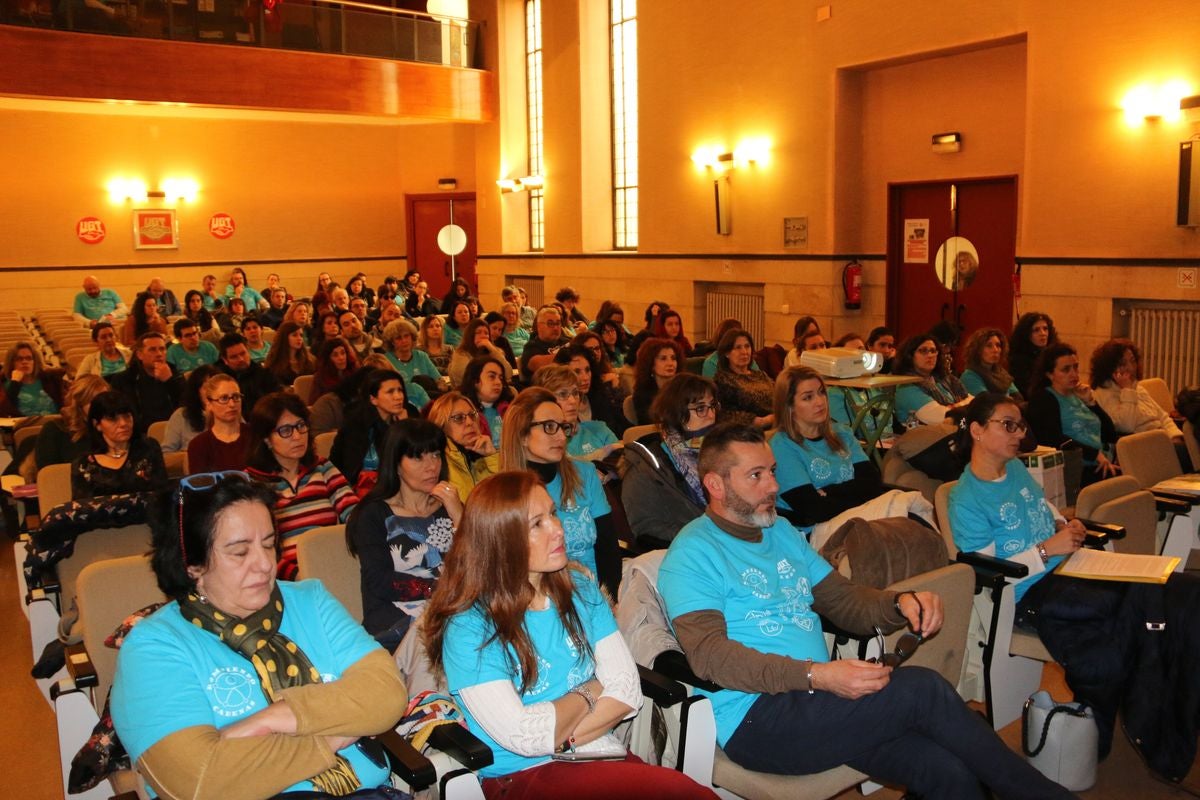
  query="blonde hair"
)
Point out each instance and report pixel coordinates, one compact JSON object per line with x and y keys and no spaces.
{"x":209,"y":387}
{"x":441,"y":409}
{"x":82,"y":391}
{"x":518,"y":420}
{"x":556,"y":377}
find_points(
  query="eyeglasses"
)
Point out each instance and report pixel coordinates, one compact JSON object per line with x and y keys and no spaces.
{"x":201,"y":482}
{"x":701,"y":409}
{"x":552,"y":426}
{"x":595,"y":348}
{"x":460,"y":418}
{"x":286,"y":431}
{"x":906,"y":645}
{"x":226,"y":399}
{"x":927,"y":351}
{"x":1012,"y":425}
{"x":567,"y":394}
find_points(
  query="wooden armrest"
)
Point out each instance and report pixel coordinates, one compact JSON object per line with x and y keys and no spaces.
{"x":1171,"y":505}
{"x":1009,"y":569}
{"x":415,"y":769}
{"x":80,"y":666}
{"x":673,"y":664}
{"x":1183,"y":497}
{"x":461,"y":745}
{"x":661,"y":689}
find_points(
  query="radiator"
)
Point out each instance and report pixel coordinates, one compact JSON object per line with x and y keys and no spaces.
{"x":745,"y":308}
{"x":1169,"y":339}
{"x":533,"y":285}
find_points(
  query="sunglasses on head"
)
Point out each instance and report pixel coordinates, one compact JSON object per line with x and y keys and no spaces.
{"x":201,"y":482}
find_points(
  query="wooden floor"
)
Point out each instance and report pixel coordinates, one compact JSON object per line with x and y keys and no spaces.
{"x":29,"y":748}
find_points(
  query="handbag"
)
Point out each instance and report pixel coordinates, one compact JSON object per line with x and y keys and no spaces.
{"x":1060,"y":740}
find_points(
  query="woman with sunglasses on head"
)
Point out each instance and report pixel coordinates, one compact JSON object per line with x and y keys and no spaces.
{"x":310,"y":492}
{"x":241,"y":686}
{"x":531,"y":652}
{"x":401,"y":531}
{"x":661,"y":489}
{"x":937,"y":393}
{"x":535,"y":437}
{"x":485,"y":385}
{"x":592,"y":440}
{"x":1062,"y":408}
{"x":224,"y":444}
{"x":745,"y":395}
{"x":358,"y":445}
{"x":120,"y":460}
{"x":470,"y":454}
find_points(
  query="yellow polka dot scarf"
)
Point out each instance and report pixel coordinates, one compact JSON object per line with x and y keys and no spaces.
{"x":280,"y":664}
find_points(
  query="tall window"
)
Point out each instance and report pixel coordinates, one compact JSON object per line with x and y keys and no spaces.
{"x":625,"y":123}
{"x":533,"y":90}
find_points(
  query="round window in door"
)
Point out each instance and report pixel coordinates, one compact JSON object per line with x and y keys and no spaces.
{"x":957,"y":263}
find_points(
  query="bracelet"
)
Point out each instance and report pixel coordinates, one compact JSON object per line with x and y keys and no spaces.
{"x":587,"y":695}
{"x":808,"y":666}
{"x":1041,"y":548}
{"x":896,"y":602}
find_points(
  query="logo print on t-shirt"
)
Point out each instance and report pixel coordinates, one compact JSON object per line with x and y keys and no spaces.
{"x":578,"y":530}
{"x":820,"y":469}
{"x":1010,"y":516}
{"x":785,"y":569}
{"x":233,"y":690}
{"x":767,"y":626}
{"x":754,"y":580}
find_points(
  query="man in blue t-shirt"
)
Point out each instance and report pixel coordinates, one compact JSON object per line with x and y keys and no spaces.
{"x":743,"y":590}
{"x":94,"y":304}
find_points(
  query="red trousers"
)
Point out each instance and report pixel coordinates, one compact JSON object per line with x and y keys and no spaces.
{"x":595,"y":780}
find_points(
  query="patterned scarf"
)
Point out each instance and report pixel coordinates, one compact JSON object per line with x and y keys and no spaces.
{"x":280,"y":664}
{"x":685,"y":453}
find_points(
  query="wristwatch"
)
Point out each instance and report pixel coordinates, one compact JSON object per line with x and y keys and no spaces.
{"x":1041,"y":548}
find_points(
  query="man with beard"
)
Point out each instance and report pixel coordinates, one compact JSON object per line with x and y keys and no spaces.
{"x":743,"y":590}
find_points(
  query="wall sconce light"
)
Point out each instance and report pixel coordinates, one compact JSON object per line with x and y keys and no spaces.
{"x":720,"y":161}
{"x":134,"y":190}
{"x":122,"y":189}
{"x":1190,"y":108}
{"x":1147,"y":103}
{"x":447,"y":184}
{"x":949,"y":142}
{"x":520,"y":184}
{"x":180,"y":189}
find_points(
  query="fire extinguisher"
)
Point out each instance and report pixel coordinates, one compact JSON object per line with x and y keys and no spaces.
{"x":852,"y":284}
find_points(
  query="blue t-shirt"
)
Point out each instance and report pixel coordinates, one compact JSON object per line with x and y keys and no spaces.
{"x":470,"y":659}
{"x":973,"y":382}
{"x":173,"y":675}
{"x":451,"y":336}
{"x":184,"y":361}
{"x":261,"y":354}
{"x":591,"y":436}
{"x":763,"y":589}
{"x":910,"y":399}
{"x":1010,"y":513}
{"x":250,"y":296}
{"x":578,"y":514}
{"x":1078,"y":421}
{"x":96,"y":307}
{"x":112,"y":367}
{"x":813,"y":463}
{"x":517,"y":340}
{"x":418,"y":364}
{"x":495,"y":423}
{"x":32,"y":399}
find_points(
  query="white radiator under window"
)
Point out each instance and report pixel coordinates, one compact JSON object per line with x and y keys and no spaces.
{"x":1169,"y":339}
{"x":745,"y":308}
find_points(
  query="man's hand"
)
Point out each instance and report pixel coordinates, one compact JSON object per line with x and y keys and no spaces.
{"x":924,"y":612}
{"x":161,"y":371}
{"x":850,"y":678}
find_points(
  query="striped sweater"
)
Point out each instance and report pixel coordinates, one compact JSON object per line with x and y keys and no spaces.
{"x":321,"y":497}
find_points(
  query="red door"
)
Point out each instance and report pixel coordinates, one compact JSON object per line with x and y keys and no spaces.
{"x":428,"y":214}
{"x":951,"y":254}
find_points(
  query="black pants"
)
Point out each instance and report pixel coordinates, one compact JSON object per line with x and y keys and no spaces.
{"x":916,"y":732}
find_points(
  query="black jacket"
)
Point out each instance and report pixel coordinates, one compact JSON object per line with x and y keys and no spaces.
{"x":254,"y":382}
{"x":153,"y":400}
{"x":656,"y":497}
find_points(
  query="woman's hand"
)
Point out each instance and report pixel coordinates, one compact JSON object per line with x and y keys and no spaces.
{"x":482,"y":445}
{"x":1084,"y":393}
{"x":1123,"y":377}
{"x":850,"y":678}
{"x":1106,"y":468}
{"x":1068,"y":539}
{"x":448,"y":496}
{"x":612,"y":379}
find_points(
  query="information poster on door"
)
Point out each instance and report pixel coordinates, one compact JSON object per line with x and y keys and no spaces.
{"x":916,"y":241}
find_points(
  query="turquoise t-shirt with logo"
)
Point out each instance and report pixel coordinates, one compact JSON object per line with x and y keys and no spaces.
{"x":186,"y":361}
{"x":578,"y":514}
{"x":813,"y":463}
{"x":495,"y":423}
{"x":591,"y":436}
{"x":472,"y":658}
{"x":113,"y":366}
{"x":763,"y":589}
{"x":260,"y":355}
{"x":96,"y":307}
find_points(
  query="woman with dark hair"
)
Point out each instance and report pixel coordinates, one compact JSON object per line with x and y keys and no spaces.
{"x":530,"y":650}
{"x":29,"y":388}
{"x":600,"y":399}
{"x":939,"y":391}
{"x":655,"y":308}
{"x":358,"y":445}
{"x":496,"y":326}
{"x":1033,"y":332}
{"x":418,"y":303}
{"x":289,"y":357}
{"x":1062,"y":409}
{"x":661,"y":489}
{"x":460,"y":290}
{"x":745,"y":396}
{"x":610,"y":310}
{"x":187,"y":421}
{"x":615,"y":339}
{"x":658,"y":360}
{"x":401,"y":530}
{"x":883,"y":341}
{"x":357,"y":287}
{"x":119,"y":460}
{"x":535,"y":437}
{"x":458,"y":316}
{"x":310,"y":492}
{"x":470,"y":454}
{"x":241,"y":686}
{"x":709,"y":349}
{"x":143,"y":318}
{"x":327,"y":328}
{"x":193,"y":309}
{"x":986,"y":354}
{"x":335,"y":360}
{"x":224,"y":443}
{"x":669,"y":325}
{"x":230,"y":318}
{"x":485,"y":385}
{"x":592,"y":345}
{"x":476,"y":341}
{"x":324,"y":281}
{"x":1116,"y":380}
{"x":803,"y":328}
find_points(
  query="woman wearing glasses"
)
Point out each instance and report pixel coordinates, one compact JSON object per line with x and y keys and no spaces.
{"x":120,"y":459}
{"x":223,"y":445}
{"x":470,"y":454}
{"x":310,"y":492}
{"x":530,"y":650}
{"x":241,"y":686}
{"x":358,"y":445}
{"x":592,"y":440}
{"x":937,"y":393}
{"x":535,"y":438}
{"x":661,"y":490}
{"x":600,"y":392}
{"x":401,"y":531}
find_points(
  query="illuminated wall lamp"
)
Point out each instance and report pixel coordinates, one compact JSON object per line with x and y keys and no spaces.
{"x":509,"y":185}
{"x":533,"y":181}
{"x":1190,"y":107}
{"x":949,"y":142}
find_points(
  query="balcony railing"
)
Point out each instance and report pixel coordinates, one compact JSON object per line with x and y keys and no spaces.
{"x":322,"y":26}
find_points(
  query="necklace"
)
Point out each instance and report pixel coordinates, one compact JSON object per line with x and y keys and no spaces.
{"x":423,"y":501}
{"x":116,"y":453}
